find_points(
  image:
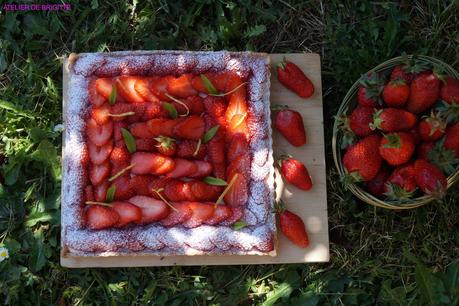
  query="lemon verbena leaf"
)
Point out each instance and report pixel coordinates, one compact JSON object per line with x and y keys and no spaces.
{"x":110,"y":194}
{"x":214,"y":181}
{"x":170,"y":109}
{"x":239,"y":225}
{"x":129,"y":140}
{"x":208,"y":85}
{"x":210,"y":134}
{"x":112,"y":97}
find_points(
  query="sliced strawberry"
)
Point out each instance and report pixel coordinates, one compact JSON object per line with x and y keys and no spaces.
{"x":203,"y":169}
{"x":99,"y":134}
{"x":236,"y":215}
{"x":125,"y":85}
{"x":141,"y":130}
{"x":181,"y":213}
{"x":101,"y":114}
{"x":238,"y":145}
{"x":100,"y":191}
{"x":221,"y":213}
{"x":186,"y":191}
{"x":104,"y":86}
{"x":216,"y":154}
{"x":140,"y":184}
{"x":198,"y":84}
{"x":237,"y":126}
{"x":100,"y":217}
{"x":98,"y":155}
{"x":238,"y":193}
{"x":181,"y":86}
{"x":219,"y":170}
{"x":237,"y":105}
{"x":123,"y":189}
{"x":119,"y":111}
{"x":94,"y":96}
{"x":143,"y":88}
{"x":233,"y":81}
{"x":117,"y":126}
{"x":151,"y":163}
{"x":146,"y":144}
{"x":159,"y":88}
{"x":98,"y":173}
{"x":89,"y":193}
{"x":183,"y":168}
{"x":160,"y":126}
{"x":120,"y":156}
{"x":173,"y":190}
{"x":128,"y":212}
{"x":240,"y":165}
{"x":187,"y":148}
{"x":205,"y":192}
{"x":152,"y":210}
{"x":157,"y":184}
{"x":192,"y":127}
{"x":195,"y":104}
{"x":216,"y":108}
{"x":201,"y":213}
{"x":154,"y":110}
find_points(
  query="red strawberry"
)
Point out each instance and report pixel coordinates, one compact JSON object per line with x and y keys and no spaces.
{"x":195,"y":104}
{"x":123,"y":190}
{"x":216,"y":154}
{"x":99,"y":134}
{"x":450,"y":90}
{"x":128,"y":212}
{"x":186,"y":190}
{"x":120,"y":156}
{"x":432,"y":128}
{"x":393,"y":120}
{"x":239,"y":165}
{"x":290,"y":124}
{"x":239,"y":145}
{"x":424,"y":91}
{"x":152,"y":210}
{"x":183,"y":168}
{"x":100,"y":217}
{"x":117,"y":126}
{"x":362,"y":159}
{"x":429,"y":178}
{"x":94,"y":96}
{"x":361,"y":119}
{"x":216,"y":108}
{"x":376,"y":185}
{"x":200,"y":213}
{"x":181,"y":213}
{"x":291,"y":76}
{"x":166,"y":145}
{"x":181,"y":86}
{"x":237,"y":126}
{"x":396,"y":93}
{"x":237,"y":105}
{"x":159,"y":87}
{"x":89,"y":193}
{"x":236,"y":214}
{"x":141,"y":184}
{"x":397,"y":148}
{"x":146,"y":144}
{"x":416,"y":136}
{"x":157,"y":184}
{"x":98,"y":155}
{"x":98,"y":173}
{"x":295,"y":173}
{"x":369,"y":90}
{"x":452,"y":139}
{"x":100,"y":191}
{"x":404,"y":178}
{"x":154,"y":110}
{"x":400,"y":73}
{"x":101,"y":114}
{"x":151,"y":163}
{"x":161,"y":126}
{"x":105,"y":87}
{"x":142,"y":130}
{"x":221,"y":213}
{"x":424,"y":149}
{"x":205,"y":192}
{"x":203,"y":169}
{"x":125,"y":85}
{"x":238,"y":193}
{"x":173,"y":190}
{"x":143,"y":88}
{"x":192,"y":127}
{"x":122,"y":111}
{"x":187,"y":148}
{"x":293,"y":228}
{"x":197,"y":83}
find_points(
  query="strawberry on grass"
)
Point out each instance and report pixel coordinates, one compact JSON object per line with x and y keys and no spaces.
{"x":290,"y":124}
{"x":294,"y":172}
{"x":292,"y":77}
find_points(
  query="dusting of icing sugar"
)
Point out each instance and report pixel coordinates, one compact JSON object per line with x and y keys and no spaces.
{"x":256,"y":238}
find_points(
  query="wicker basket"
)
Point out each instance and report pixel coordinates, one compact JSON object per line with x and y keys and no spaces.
{"x":349,"y":103}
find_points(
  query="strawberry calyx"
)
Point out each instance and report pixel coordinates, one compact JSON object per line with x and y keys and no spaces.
{"x":282,"y":158}
{"x":164,"y":142}
{"x":450,"y":112}
{"x":377,"y":121}
{"x":397,"y":82}
{"x":436,"y":122}
{"x":279,"y":207}
{"x":351,"y":178}
{"x":393,"y":141}
{"x":396,"y":192}
{"x":282,"y":63}
{"x":443,"y":158}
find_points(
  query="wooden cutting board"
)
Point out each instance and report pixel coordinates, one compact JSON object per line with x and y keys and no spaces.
{"x":311,"y":205}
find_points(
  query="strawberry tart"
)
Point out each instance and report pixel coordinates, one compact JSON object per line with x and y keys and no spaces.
{"x":167,"y":153}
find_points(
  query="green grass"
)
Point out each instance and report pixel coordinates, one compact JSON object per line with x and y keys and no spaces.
{"x":377,"y":256}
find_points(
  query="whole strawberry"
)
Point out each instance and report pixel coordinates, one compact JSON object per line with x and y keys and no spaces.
{"x":450,"y":90}
{"x":423,"y":150}
{"x":401,"y":184}
{"x":432,"y":127}
{"x":396,"y":93}
{"x":293,"y":228}
{"x":393,"y":120}
{"x":360,"y":120}
{"x":400,"y":72}
{"x":290,"y":124}
{"x":416,"y":136}
{"x":376,"y":185}
{"x":291,"y":76}
{"x":166,"y":145}
{"x":295,"y":172}
{"x":362,"y":160}
{"x":429,"y":178}
{"x":452,"y":139}
{"x":397,"y":148}
{"x":370,"y":88}
{"x":424,"y":91}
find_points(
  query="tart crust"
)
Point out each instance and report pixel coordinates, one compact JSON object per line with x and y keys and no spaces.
{"x":257,"y":238}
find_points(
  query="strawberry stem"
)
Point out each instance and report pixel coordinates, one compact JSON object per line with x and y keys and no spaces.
{"x":158,"y":192}
{"x":229,"y":92}
{"x":195,"y":153}
{"x":231,"y":183}
{"x":187,"y":112}
{"x":98,"y":203}
{"x":122,"y":114}
{"x":121,"y":172}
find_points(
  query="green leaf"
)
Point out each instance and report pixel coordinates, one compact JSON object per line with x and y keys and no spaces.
{"x":34,"y":218}
{"x":239,"y":225}
{"x":37,"y":134}
{"x":282,"y":291}
{"x":3,"y":64}
{"x":170,"y":109}
{"x":255,"y":31}
{"x":208,"y":85}
{"x":11,"y":107}
{"x":210,"y":134}
{"x":129,"y":140}
{"x":214,"y":181}
{"x":37,"y":259}
{"x":110,"y":194}
{"x":430,"y":287}
{"x":113,"y":94}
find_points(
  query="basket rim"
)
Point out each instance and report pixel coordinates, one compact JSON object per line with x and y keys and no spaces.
{"x":344,"y":108}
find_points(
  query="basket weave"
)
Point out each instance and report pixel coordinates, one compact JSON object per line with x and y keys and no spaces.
{"x":349,"y":103}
